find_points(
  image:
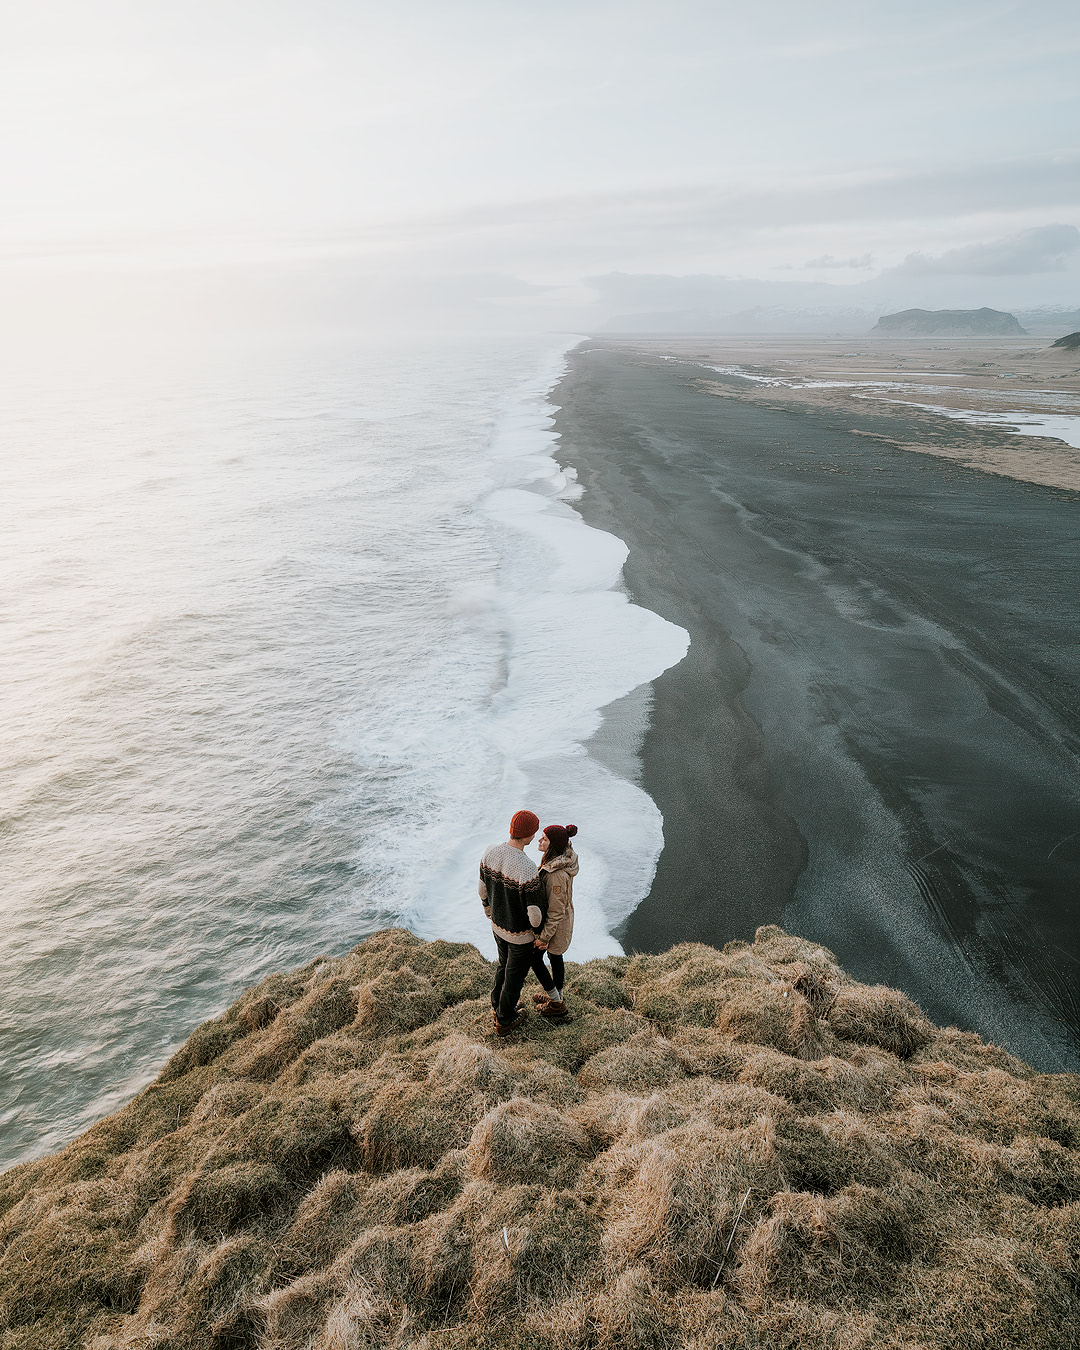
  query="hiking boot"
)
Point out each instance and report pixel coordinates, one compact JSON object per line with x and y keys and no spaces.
{"x":541,"y":997}
{"x":558,"y":1012}
{"x":505,"y":1028}
{"x":517,"y":1012}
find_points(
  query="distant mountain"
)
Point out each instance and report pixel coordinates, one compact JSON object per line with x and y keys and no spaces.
{"x":1071,"y":342}
{"x":1049,"y":321}
{"x":949,"y":323}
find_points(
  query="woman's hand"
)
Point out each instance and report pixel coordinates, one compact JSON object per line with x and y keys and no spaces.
{"x":540,"y":946}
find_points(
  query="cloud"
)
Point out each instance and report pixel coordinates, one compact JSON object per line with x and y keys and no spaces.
{"x":1043,"y":249}
{"x":742,"y":228}
{"x":828,"y":262}
{"x":821,"y":199}
{"x":712,"y":227}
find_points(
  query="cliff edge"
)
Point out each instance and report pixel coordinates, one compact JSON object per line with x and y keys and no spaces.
{"x":743,"y":1148}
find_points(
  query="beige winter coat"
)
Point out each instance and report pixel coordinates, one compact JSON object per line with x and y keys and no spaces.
{"x":558,"y":878}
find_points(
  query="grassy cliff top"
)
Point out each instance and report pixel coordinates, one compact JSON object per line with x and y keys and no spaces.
{"x":743,"y":1148}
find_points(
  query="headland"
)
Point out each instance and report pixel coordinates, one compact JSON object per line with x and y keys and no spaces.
{"x":732,"y":1150}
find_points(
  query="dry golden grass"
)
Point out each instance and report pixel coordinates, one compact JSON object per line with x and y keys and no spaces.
{"x":737,"y":1150}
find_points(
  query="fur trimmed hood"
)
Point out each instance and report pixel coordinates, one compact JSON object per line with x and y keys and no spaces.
{"x":565,"y":862}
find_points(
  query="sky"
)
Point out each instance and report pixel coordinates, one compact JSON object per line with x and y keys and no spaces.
{"x":545,"y":156}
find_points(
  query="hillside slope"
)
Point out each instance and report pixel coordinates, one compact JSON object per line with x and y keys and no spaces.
{"x":722,"y":1149}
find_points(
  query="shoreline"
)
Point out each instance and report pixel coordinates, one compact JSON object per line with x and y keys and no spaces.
{"x":873,"y":675}
{"x":562,"y":755}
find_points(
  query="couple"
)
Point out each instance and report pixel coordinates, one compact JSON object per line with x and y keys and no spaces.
{"x":531,"y":912}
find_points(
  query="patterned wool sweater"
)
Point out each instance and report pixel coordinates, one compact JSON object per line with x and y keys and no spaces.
{"x":512,"y":893}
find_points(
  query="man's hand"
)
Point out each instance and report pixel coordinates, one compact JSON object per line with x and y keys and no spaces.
{"x":540,"y":946}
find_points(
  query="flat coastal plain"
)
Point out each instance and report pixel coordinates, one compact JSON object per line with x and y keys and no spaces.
{"x":873,"y":738}
{"x":975,"y":400}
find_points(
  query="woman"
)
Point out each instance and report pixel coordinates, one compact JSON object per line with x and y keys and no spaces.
{"x":558,"y":868}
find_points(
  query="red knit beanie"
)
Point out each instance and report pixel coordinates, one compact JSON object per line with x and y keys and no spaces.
{"x":559,"y":837}
{"x":523,"y":824}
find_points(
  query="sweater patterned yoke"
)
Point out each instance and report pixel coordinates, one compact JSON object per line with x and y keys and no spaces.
{"x":512,"y":893}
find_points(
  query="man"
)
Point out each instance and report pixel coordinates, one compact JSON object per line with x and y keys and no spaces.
{"x":513,"y":897}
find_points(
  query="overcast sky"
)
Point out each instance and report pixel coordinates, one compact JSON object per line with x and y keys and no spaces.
{"x":542,"y":142}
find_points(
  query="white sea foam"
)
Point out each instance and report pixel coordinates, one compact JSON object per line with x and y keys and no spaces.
{"x":574,"y":643}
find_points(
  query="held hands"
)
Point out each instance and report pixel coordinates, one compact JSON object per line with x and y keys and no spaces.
{"x":540,"y":946}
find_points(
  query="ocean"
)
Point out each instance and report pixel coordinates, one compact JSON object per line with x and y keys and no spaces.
{"x":291,"y":624}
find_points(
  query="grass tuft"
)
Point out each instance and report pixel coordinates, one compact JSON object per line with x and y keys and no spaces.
{"x":877,"y":1015}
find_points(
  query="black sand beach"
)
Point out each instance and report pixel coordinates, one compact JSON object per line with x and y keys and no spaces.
{"x":873,"y":739}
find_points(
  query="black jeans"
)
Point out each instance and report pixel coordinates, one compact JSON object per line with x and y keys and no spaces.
{"x":551,"y":981}
{"x":515,"y":960}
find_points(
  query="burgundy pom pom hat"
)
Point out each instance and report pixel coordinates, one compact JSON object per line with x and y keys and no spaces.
{"x":559,"y":837}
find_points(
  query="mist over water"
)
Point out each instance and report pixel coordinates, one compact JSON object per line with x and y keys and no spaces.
{"x":288,"y":632}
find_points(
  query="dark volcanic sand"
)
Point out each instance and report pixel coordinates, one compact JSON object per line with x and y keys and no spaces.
{"x":873,"y":738}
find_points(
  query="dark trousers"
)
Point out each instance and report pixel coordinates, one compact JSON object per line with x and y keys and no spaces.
{"x":515,"y":960}
{"x":554,"y":979}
